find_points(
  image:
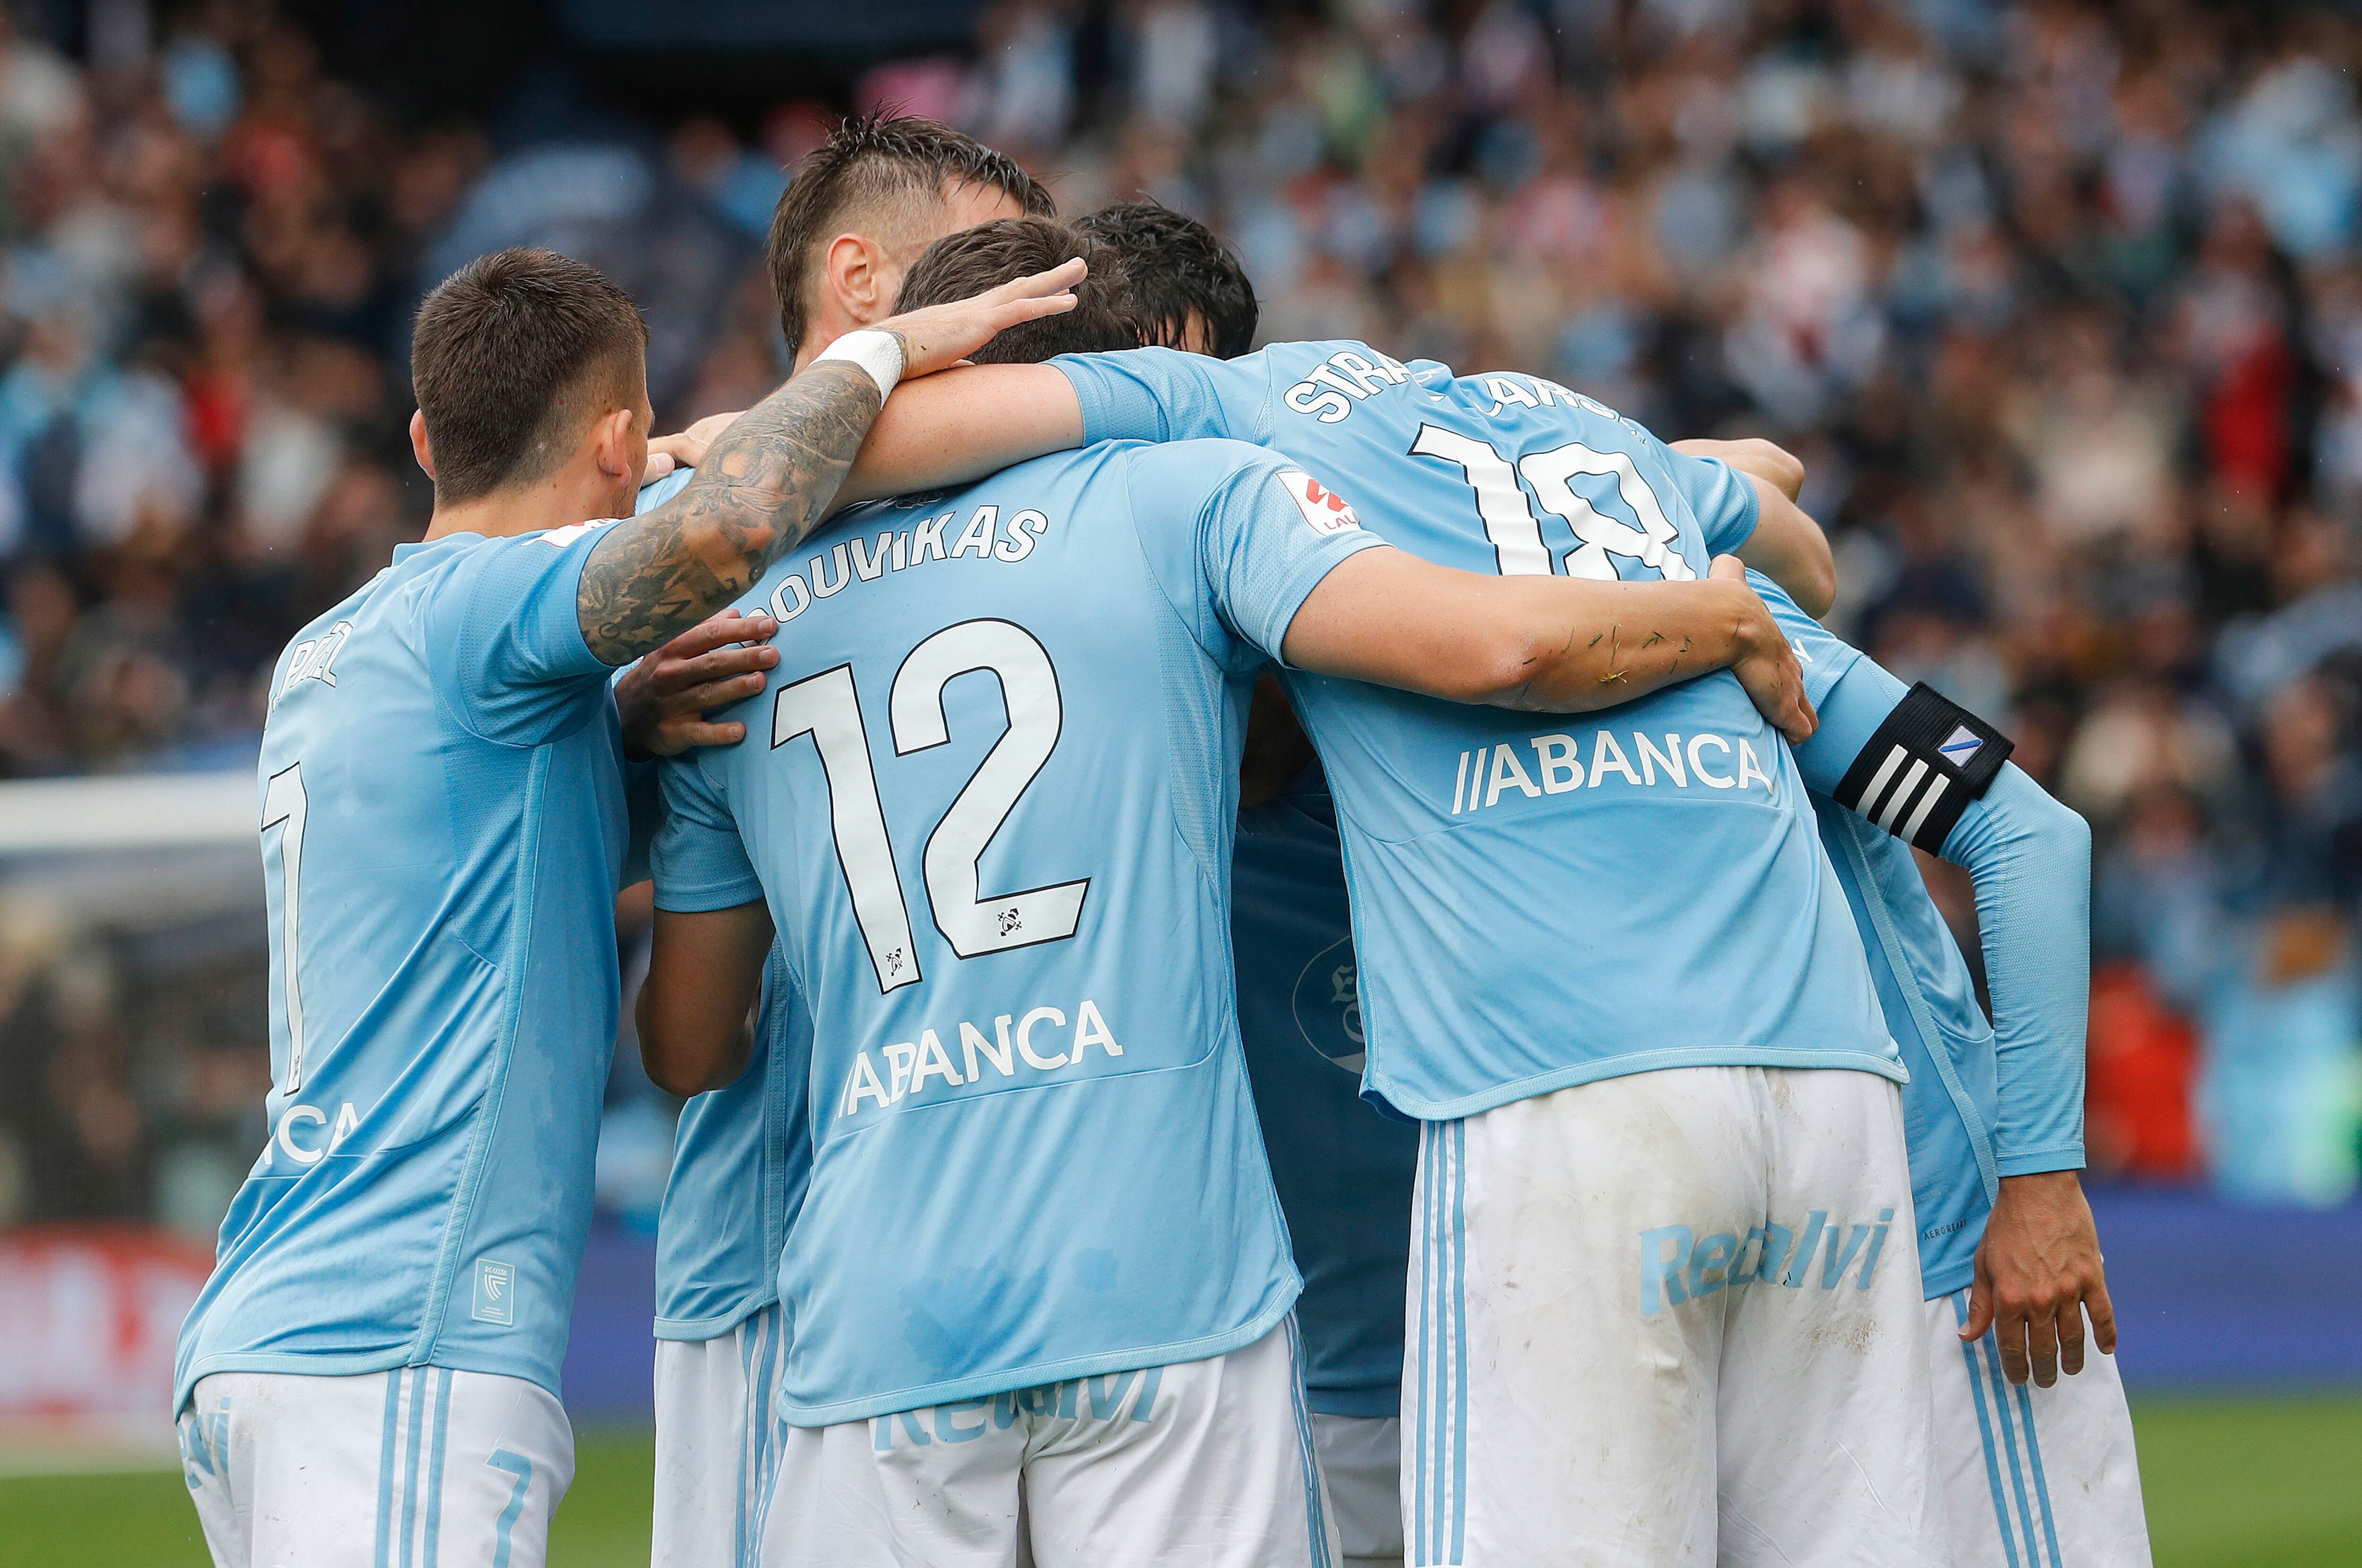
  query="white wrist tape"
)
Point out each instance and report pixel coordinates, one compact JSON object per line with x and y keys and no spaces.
{"x":880,"y":353}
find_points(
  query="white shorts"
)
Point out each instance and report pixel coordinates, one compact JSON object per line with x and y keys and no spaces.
{"x":1200,"y":1464}
{"x":422,"y":1466}
{"x":714,"y":1443}
{"x":2035,"y":1477}
{"x":1361,"y":1459}
{"x":1671,"y":1318}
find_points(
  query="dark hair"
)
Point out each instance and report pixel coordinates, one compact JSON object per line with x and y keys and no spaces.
{"x":1177,"y":268}
{"x":960,"y":265}
{"x":868,"y":159}
{"x":510,"y":356}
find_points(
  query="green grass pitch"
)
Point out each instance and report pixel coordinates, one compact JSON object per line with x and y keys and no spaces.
{"x":2231,"y":1483}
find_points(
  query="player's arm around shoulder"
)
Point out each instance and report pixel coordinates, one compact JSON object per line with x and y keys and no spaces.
{"x":957,"y":427}
{"x":1543,"y":644}
{"x":774,"y":474}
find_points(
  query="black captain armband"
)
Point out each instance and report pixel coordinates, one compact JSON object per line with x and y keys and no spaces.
{"x":1919,"y":772}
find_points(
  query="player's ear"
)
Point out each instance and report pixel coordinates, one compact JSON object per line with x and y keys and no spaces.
{"x":610,"y":442}
{"x":860,"y":278}
{"x":418,"y":447}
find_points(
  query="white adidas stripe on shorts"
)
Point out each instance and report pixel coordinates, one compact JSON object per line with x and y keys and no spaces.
{"x":2034,"y":1477}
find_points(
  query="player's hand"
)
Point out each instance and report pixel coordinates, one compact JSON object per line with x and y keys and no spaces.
{"x":685,"y":450}
{"x":941,"y":336}
{"x":2038,"y":1273}
{"x":663,"y":700}
{"x":1769,"y":669}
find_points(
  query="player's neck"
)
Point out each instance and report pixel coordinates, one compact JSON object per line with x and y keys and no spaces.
{"x":830,"y":322}
{"x":559,"y":501}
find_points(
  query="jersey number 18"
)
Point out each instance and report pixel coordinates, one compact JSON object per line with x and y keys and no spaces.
{"x":1517,"y":533}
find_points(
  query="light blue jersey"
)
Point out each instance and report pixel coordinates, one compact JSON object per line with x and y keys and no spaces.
{"x":443,"y":826}
{"x":741,"y":1157}
{"x":989,"y":798}
{"x":1539,"y":901}
{"x":1347,"y":1193}
{"x":1968,"y":1122}
{"x":1344,"y":1171}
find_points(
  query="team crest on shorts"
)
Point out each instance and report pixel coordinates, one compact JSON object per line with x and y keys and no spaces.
{"x":1324,"y":509}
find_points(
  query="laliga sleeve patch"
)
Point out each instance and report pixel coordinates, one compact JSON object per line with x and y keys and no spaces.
{"x":1324,"y":510}
{"x":1919,"y":772}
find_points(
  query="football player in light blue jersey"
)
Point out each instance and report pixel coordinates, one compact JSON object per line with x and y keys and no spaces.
{"x":1341,"y":1184}
{"x":2043,"y":1474}
{"x":371,"y":1371}
{"x":1611,"y":967}
{"x":862,"y":207}
{"x":1040,"y":1246}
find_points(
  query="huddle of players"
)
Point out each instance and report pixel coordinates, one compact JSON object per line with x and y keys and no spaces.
{"x":975,"y":1249}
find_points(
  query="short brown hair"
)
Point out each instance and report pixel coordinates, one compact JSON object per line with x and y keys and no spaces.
{"x":961,"y":265}
{"x":508,"y":356}
{"x":871,"y":159}
{"x":1178,"y":268}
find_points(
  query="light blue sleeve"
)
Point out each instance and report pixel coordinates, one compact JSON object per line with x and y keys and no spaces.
{"x":1723,"y":500}
{"x":1238,"y":542}
{"x":2030,"y":859}
{"x":502,"y":638}
{"x":1164,"y":394}
{"x":1824,"y":655}
{"x":699,"y":861}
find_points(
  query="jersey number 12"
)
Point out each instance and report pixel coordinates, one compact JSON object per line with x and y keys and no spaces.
{"x":824,"y":707}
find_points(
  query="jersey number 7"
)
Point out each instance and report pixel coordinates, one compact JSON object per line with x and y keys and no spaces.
{"x":824,"y":707}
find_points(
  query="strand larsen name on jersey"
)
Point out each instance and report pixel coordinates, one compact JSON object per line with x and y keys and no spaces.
{"x":1705,"y":760}
{"x":987,"y":536}
{"x":1023,"y":1044}
{"x":1345,"y":379}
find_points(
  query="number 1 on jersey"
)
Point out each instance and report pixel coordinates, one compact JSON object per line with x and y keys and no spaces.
{"x":282,"y":803}
{"x":824,"y":706}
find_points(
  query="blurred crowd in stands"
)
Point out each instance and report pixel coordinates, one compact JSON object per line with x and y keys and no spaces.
{"x":2061,"y":302}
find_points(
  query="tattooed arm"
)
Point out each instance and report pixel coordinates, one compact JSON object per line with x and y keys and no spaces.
{"x":772,"y":476}
{"x":1553,"y":644}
